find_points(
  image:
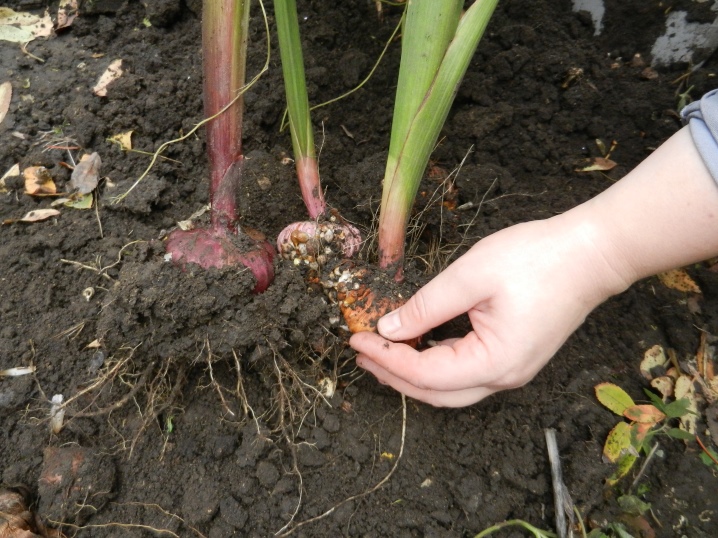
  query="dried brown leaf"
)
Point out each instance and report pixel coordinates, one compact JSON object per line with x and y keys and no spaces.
{"x":678,"y":279}
{"x":40,"y":214}
{"x":38,"y":181}
{"x":112,"y":73}
{"x":599,"y":164}
{"x":5,"y":96}
{"x":14,"y":171}
{"x":86,"y":174}
{"x":124,"y":140}
{"x":66,"y":13}
{"x":655,"y":357}
{"x":19,"y":27}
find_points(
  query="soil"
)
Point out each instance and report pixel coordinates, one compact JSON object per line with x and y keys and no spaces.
{"x":196,"y":407}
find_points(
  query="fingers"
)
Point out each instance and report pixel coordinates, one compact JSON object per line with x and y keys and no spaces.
{"x":457,"y":398}
{"x":448,"y":295}
{"x":463,"y":365}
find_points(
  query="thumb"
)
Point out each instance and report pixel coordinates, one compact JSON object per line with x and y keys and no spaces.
{"x":445,"y":297}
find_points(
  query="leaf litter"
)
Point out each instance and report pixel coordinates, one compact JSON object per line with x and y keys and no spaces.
{"x":20,"y":27}
{"x":5,"y":96}
{"x":112,"y":73}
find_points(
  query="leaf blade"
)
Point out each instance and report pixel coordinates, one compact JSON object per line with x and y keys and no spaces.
{"x":613,"y":397}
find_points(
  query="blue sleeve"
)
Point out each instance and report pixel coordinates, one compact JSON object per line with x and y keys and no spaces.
{"x":702,"y":118}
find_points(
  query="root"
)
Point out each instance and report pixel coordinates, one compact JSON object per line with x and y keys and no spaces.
{"x":97,"y":266}
{"x":122,"y":401}
{"x":290,"y":527}
{"x":155,"y":530}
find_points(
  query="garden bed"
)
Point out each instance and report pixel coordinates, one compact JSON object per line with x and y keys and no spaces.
{"x":205,"y":410}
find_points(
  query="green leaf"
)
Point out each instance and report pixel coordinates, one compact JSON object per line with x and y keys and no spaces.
{"x":645,"y":414}
{"x":416,"y":126}
{"x":620,"y":530}
{"x":631,"y":504}
{"x":613,"y":397}
{"x":706,"y":459}
{"x":618,"y":443}
{"x":597,"y":533}
{"x":677,"y":433}
{"x":679,"y":408}
{"x":656,"y":400}
{"x":624,"y":465}
{"x":290,"y":50}
{"x":83,"y":202}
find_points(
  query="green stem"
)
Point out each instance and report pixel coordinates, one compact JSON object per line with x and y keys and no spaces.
{"x":224,"y":44}
{"x":418,"y":124}
{"x":290,"y":49}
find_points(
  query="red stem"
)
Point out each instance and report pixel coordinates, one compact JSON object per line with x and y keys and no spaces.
{"x":707,"y":452}
{"x":224,"y":43}
{"x":308,"y":175}
{"x":392,"y":238}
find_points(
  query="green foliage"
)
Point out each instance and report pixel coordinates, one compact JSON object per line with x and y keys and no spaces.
{"x":707,"y":460}
{"x":627,"y":439}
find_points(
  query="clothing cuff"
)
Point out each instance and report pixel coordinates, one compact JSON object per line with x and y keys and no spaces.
{"x":702,"y":118}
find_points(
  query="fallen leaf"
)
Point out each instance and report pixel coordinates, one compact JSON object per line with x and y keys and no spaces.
{"x":124,"y":140}
{"x":618,"y":443}
{"x":112,"y":73}
{"x":82,"y":202}
{"x":66,"y":13}
{"x":625,"y":463}
{"x":5,"y":96}
{"x":40,"y":214}
{"x":599,"y":164}
{"x":638,"y":433}
{"x":613,"y":397}
{"x":38,"y":181}
{"x":639,"y":526}
{"x":14,"y":171}
{"x":712,"y":421}
{"x":678,"y":279}
{"x":685,"y":389}
{"x":664,"y":385}
{"x":86,"y":174}
{"x":655,"y":357}
{"x":630,"y":504}
{"x":645,"y":414}
{"x":18,"y":27}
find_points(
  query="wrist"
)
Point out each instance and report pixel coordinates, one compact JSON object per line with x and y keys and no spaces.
{"x":594,"y":261}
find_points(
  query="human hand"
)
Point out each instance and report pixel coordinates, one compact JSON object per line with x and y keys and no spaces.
{"x":525,"y":290}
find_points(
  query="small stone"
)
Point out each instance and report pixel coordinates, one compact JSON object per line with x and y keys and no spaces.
{"x":649,"y":74}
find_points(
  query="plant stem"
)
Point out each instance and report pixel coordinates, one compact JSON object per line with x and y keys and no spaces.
{"x":417,"y":124}
{"x":300,"y":125}
{"x":224,"y":42}
{"x":538,"y":533}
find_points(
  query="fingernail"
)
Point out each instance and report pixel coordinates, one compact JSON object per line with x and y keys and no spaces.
{"x":389,"y":324}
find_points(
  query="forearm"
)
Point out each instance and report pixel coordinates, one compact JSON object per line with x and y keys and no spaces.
{"x":662,"y":215}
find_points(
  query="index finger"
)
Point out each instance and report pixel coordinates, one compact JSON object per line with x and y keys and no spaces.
{"x":449,"y":294}
{"x":462,"y":365}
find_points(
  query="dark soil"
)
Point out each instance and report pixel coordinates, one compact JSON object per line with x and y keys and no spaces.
{"x":155,"y":417}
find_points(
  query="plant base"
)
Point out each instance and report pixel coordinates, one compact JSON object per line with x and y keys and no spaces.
{"x":219,"y":249}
